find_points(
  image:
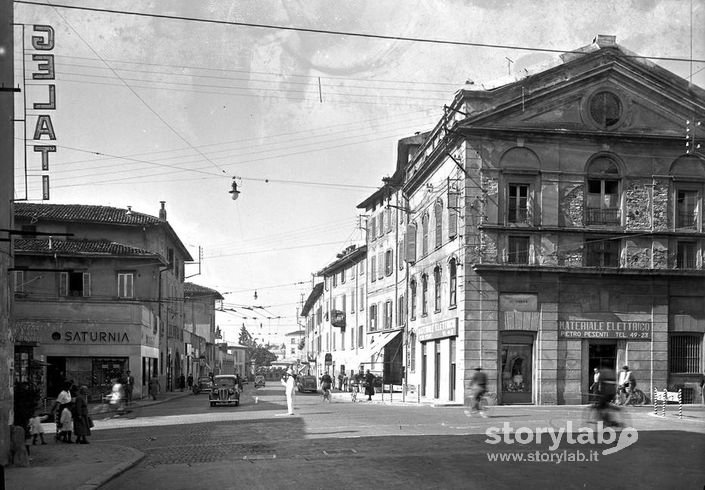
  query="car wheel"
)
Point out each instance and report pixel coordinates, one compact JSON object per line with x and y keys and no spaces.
{"x":212,"y":404}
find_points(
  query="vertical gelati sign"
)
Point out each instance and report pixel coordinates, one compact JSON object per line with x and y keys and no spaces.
{"x":43,"y":72}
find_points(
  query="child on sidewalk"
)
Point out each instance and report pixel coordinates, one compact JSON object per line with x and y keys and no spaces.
{"x":66,"y":424}
{"x":35,"y":427}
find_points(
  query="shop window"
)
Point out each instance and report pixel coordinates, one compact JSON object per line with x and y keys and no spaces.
{"x":437,"y":289}
{"x":424,"y":295}
{"x":685,"y":255}
{"x":602,"y":252}
{"x":518,"y":203}
{"x":438,"y":220}
{"x":75,"y":284}
{"x":686,"y":209}
{"x":126,"y":285}
{"x":19,"y":280}
{"x":684,"y":353}
{"x":602,"y":206}
{"x":453,"y":282}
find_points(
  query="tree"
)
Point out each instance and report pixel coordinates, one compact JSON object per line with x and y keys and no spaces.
{"x":261,"y":355}
{"x":245,"y":338}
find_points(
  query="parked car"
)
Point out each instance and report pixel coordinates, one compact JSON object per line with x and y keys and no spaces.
{"x":259,"y":381}
{"x":202,"y":385}
{"x":306,"y":383}
{"x":225,"y":391}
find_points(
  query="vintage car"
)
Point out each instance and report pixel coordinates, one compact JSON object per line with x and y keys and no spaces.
{"x":225,"y":391}
{"x":202,"y":385}
{"x":259,"y":381}
{"x":306,"y":383}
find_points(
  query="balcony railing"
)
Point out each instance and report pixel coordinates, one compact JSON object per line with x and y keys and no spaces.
{"x":602,"y":216}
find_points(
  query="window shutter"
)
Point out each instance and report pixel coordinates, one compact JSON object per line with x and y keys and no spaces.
{"x":64,"y":284}
{"x":380,"y":265}
{"x":452,"y":214}
{"x":86,"y":284}
{"x":410,"y":254}
{"x":371,"y":229}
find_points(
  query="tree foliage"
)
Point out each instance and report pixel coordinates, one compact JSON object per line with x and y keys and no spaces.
{"x":258,"y":353}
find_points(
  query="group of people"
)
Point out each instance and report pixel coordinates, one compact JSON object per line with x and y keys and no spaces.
{"x":608,"y":390}
{"x":71,"y":415}
{"x":367,"y":381}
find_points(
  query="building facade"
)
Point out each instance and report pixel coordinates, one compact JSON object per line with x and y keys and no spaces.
{"x":335,"y":335}
{"x":96,"y":291}
{"x":199,"y":329}
{"x":580,"y":240}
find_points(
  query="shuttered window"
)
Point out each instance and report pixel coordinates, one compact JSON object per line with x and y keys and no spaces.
{"x":411,"y":243}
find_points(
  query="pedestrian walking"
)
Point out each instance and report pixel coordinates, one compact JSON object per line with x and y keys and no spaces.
{"x":345,"y":382}
{"x":117,"y":396}
{"x":369,"y":385}
{"x":81,"y":423}
{"x":289,"y":384}
{"x":478,"y":387}
{"x":595,"y":381}
{"x":182,"y":382}
{"x":189,"y":381}
{"x":154,"y":387}
{"x":35,"y":427}
{"x":340,"y":381}
{"x":129,"y":384}
{"x":62,"y":399}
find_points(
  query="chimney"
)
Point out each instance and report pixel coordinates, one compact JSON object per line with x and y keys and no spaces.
{"x":603,"y":40}
{"x":162,"y":211}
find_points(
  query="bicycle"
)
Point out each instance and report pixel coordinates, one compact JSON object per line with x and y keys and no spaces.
{"x":636,"y":398}
{"x":326,"y":393}
{"x":611,"y":415}
{"x":486,"y":400}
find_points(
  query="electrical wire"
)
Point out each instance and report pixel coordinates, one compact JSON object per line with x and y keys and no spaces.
{"x":336,"y":33}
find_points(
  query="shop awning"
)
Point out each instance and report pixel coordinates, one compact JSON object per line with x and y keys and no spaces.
{"x":381,"y":341}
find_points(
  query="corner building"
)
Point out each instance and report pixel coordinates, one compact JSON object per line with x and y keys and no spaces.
{"x":580,"y":242}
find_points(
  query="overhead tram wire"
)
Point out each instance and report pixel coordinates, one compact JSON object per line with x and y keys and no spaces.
{"x":232,"y":70}
{"x":336,"y":33}
{"x":173,"y":130}
{"x":229,"y":155}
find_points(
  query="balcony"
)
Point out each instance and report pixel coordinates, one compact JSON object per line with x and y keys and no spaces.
{"x":602,"y":216}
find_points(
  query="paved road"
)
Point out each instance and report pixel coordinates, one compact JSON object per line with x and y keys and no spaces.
{"x":190,"y":445}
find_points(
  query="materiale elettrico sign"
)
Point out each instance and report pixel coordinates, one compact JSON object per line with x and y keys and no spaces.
{"x":598,"y":329}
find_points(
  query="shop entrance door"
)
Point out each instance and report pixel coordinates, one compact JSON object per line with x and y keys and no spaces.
{"x":600,"y":356}
{"x":517,"y":368}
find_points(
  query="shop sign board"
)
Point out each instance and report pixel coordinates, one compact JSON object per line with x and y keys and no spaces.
{"x":598,"y":329}
{"x":438,"y":330}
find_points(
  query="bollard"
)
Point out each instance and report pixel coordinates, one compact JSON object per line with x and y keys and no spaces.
{"x":665,"y":398}
{"x":680,"y":403}
{"x":655,"y":402}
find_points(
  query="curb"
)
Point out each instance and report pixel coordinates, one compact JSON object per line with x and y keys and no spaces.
{"x":106,"y":476}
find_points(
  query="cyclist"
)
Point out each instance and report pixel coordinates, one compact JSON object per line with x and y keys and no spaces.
{"x":478,"y":387}
{"x":607,"y":389}
{"x":326,"y":382}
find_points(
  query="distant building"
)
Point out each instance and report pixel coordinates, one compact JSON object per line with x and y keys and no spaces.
{"x":199,"y":328}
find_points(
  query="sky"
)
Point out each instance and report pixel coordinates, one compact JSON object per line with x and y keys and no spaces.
{"x":177,"y":99}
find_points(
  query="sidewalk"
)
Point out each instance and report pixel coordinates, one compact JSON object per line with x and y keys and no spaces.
{"x":59,"y":466}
